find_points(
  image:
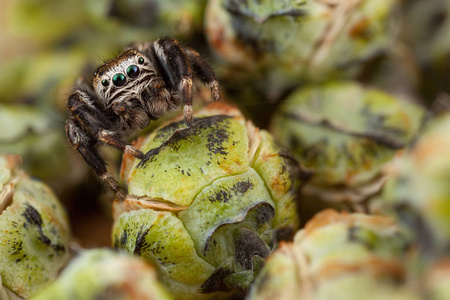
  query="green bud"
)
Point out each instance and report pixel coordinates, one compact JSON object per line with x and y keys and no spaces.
{"x":34,"y":232}
{"x":337,"y":256}
{"x":207,"y":203}
{"x":347,"y":136}
{"x":419,"y":193}
{"x":105,"y":274}
{"x":436,"y":280}
{"x":282,"y":42}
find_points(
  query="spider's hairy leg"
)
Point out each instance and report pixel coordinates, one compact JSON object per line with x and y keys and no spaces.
{"x":204,"y":71}
{"x":85,"y":127}
{"x":108,"y":137}
{"x":175,"y":62}
{"x":84,"y":109}
{"x":81,"y":141}
{"x":161,"y":99}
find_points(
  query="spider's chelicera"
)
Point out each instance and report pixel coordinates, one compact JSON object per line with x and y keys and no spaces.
{"x":139,"y":85}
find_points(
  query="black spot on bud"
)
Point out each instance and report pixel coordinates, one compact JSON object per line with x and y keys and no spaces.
{"x":220,"y":196}
{"x":141,"y":244}
{"x":242,"y":186}
{"x":32,"y":216}
{"x":215,"y":139}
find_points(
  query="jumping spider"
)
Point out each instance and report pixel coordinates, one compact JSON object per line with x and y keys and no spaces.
{"x":137,"y":86}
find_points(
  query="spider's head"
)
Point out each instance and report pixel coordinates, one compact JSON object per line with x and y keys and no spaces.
{"x":123,"y":77}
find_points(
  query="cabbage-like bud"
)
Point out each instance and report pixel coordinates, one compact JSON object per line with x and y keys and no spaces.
{"x":337,"y":256}
{"x":105,"y":274}
{"x":347,"y":136}
{"x":419,"y":191}
{"x":208,"y":202}
{"x":283,"y":42}
{"x":34,"y":232}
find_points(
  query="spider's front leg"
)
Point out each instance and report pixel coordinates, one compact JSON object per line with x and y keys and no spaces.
{"x":109,"y":138}
{"x":175,"y":62}
{"x":180,"y":65}
{"x":203,"y":70}
{"x":86,"y":126}
{"x":85,"y":110}
{"x":83,"y":143}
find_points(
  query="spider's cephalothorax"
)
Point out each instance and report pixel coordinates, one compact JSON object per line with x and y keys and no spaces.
{"x":139,"y":85}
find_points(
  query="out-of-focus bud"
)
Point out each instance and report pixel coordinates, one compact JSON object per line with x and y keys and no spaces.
{"x":34,"y":232}
{"x":105,"y":274}
{"x":347,"y":136}
{"x":281,"y":43}
{"x":337,"y":256}
{"x":181,"y":19}
{"x":436,"y":280}
{"x":425,"y":31}
{"x":419,"y":192}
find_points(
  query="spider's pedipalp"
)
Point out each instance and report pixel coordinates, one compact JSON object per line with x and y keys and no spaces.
{"x":161,"y":100}
{"x":91,"y":120}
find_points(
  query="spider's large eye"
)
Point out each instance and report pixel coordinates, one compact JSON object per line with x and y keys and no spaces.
{"x":119,"y":79}
{"x":133,"y":71}
{"x":105,"y":82}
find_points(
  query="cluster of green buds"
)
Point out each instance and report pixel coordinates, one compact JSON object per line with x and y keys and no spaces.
{"x":347,"y":136}
{"x":283,"y":42}
{"x":105,"y":274}
{"x":337,"y":256}
{"x":208,"y":202}
{"x":34,"y":232}
{"x":219,"y":209}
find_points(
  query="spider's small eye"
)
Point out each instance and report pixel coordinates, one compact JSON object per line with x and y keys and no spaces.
{"x":133,"y":71}
{"x":141,"y":60}
{"x":105,"y":82}
{"x":119,"y":79}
